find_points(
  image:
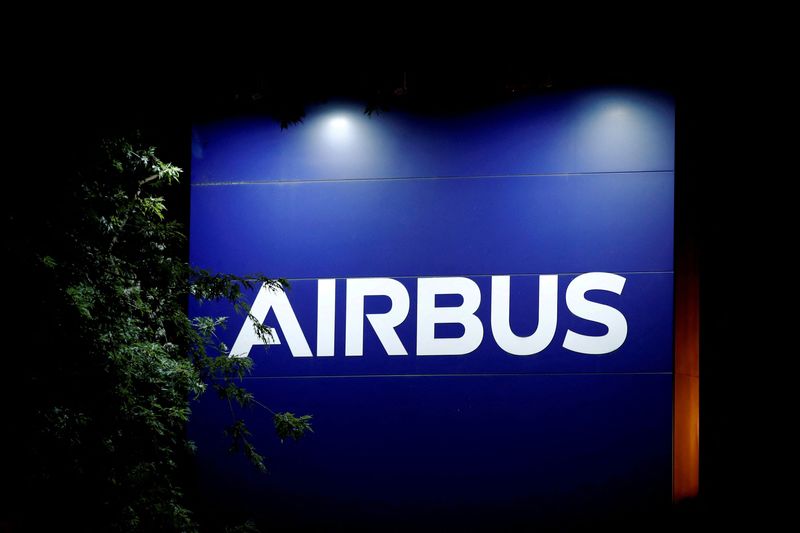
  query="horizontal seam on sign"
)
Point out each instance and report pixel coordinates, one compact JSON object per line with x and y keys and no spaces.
{"x":402,"y":178}
{"x":410,"y":276}
{"x":348,"y":376}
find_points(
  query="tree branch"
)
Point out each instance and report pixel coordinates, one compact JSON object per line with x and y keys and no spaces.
{"x":148,"y":179}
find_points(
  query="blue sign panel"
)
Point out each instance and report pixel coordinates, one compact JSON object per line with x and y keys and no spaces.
{"x":480,"y":311}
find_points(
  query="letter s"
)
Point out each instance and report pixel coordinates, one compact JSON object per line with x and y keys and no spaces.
{"x":595,"y":312}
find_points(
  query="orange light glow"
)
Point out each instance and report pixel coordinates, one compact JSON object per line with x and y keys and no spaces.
{"x":686,"y":407}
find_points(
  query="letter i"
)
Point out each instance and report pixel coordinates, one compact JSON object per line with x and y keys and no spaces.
{"x":326,"y":316}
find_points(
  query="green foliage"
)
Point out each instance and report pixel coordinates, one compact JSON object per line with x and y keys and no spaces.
{"x":247,"y":527}
{"x":114,"y":427}
{"x":288,"y":425}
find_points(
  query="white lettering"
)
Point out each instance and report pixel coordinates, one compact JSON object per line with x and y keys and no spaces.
{"x":603,"y":314}
{"x":383,"y":324}
{"x":271,"y":298}
{"x":428,"y":315}
{"x":548,"y":316}
{"x":326,"y":316}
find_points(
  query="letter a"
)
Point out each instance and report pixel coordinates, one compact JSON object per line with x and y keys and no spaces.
{"x":271,"y":298}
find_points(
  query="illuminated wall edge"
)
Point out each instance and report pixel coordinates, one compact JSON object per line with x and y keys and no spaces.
{"x":686,"y":394}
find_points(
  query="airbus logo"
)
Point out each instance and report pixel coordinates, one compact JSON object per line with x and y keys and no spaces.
{"x":428,"y":315}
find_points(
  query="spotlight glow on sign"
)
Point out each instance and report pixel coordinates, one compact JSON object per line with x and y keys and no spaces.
{"x":338,"y":131}
{"x":338,"y":123}
{"x":341,"y":138}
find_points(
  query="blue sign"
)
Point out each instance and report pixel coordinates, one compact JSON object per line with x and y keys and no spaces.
{"x":480,"y":311}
